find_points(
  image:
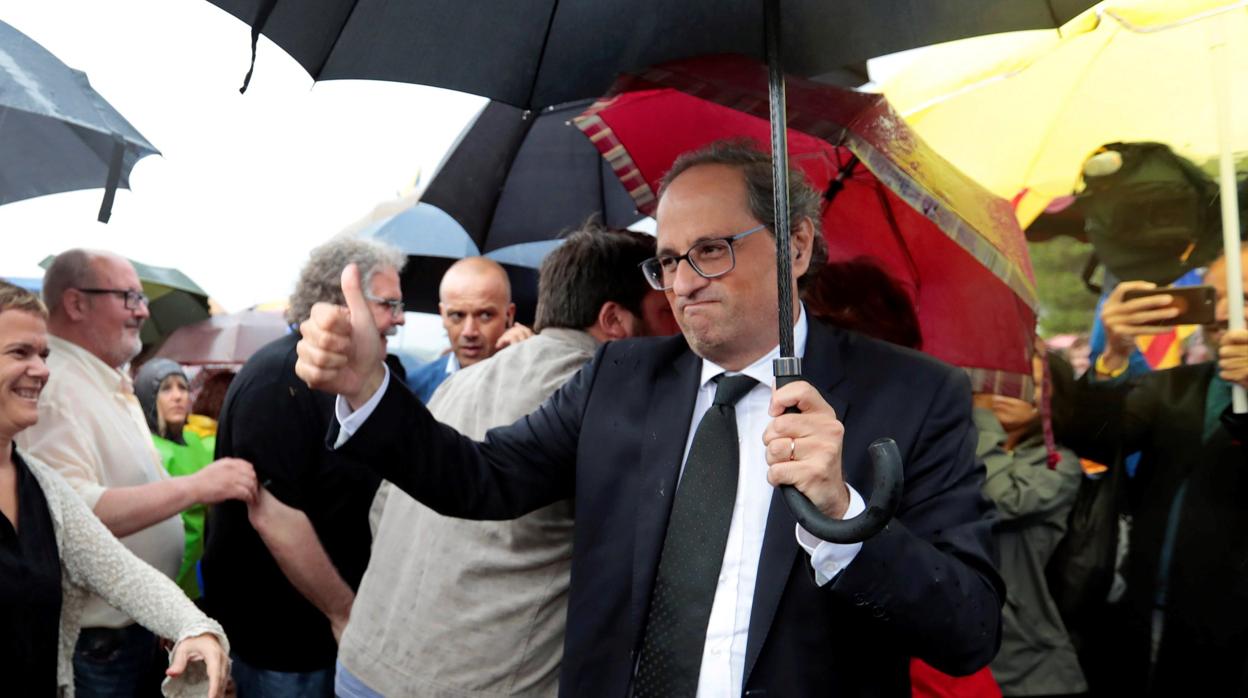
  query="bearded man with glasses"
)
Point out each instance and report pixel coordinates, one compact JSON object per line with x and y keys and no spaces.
{"x":280,"y":573}
{"x":92,"y":430}
{"x":689,"y":575}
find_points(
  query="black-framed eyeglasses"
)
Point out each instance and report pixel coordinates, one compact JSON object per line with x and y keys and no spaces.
{"x":709,"y":258}
{"x":394,"y":305}
{"x":131,"y":299}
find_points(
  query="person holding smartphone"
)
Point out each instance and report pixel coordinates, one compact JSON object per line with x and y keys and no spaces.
{"x":1183,"y":625}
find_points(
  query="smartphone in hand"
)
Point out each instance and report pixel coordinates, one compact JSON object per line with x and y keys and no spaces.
{"x":1197,"y":304}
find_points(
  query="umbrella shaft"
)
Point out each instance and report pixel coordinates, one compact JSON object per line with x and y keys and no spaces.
{"x":780,"y":173}
{"x":1230,"y":198}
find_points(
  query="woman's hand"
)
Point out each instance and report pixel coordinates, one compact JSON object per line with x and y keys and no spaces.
{"x":202,"y":648}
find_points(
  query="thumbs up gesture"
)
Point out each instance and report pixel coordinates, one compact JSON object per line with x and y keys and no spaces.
{"x":341,"y":351}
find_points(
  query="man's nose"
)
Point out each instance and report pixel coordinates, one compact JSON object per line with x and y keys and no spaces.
{"x":470,"y":327}
{"x":141,"y":310}
{"x":686,"y":280}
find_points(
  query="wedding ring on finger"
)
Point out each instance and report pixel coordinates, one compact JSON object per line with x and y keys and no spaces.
{"x":792,"y":449}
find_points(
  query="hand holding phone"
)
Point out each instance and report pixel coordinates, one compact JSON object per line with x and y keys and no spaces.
{"x":1139,"y":309}
{"x":1193,"y":305}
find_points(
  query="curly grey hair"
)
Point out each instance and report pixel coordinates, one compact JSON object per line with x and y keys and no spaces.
{"x":742,"y":153}
{"x":320,"y":281}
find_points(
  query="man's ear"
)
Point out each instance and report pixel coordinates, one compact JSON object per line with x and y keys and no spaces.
{"x":803,"y":243}
{"x":613,"y":322}
{"x":511,"y":314}
{"x":74,"y":303}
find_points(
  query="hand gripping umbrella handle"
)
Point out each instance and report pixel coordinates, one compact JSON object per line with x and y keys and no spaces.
{"x":885,"y":495}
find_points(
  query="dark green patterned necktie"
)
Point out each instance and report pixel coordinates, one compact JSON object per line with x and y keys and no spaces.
{"x":693,"y":552}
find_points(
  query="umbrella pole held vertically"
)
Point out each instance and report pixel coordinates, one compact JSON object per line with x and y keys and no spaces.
{"x":885,"y":457}
{"x":1220,"y":55}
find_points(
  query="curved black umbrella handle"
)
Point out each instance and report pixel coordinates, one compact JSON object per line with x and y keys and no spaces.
{"x":885,"y":496}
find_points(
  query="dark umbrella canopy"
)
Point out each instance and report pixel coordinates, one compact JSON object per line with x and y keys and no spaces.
{"x":516,"y":177}
{"x":535,"y":53}
{"x":56,"y":133}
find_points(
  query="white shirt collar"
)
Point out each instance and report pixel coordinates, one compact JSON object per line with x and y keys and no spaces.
{"x":761,"y":370}
{"x":111,"y":379}
{"x":452,"y":363}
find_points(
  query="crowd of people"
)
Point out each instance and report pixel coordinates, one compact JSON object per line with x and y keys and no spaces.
{"x":590,"y":507}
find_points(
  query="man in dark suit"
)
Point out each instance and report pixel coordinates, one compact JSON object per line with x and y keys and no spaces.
{"x":1182,"y":625}
{"x":780,"y":613}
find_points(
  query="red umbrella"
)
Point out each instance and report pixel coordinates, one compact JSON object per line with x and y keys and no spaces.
{"x":223,"y":339}
{"x":955,"y":248}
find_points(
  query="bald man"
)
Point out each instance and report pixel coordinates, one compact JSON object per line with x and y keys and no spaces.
{"x":479,"y":317}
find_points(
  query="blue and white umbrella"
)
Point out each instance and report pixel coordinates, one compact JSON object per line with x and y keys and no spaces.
{"x":433,"y":240}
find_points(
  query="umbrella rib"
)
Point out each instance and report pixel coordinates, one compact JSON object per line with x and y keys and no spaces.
{"x":1052,"y":13}
{"x":1066,"y":99}
{"x":1190,"y":19}
{"x":895,"y":229}
{"x":337,"y":37}
{"x":541,"y":56}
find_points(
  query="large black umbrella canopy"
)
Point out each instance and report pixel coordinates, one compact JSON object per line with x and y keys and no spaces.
{"x":57,"y":133}
{"x":535,"y":53}
{"x":518,"y":176}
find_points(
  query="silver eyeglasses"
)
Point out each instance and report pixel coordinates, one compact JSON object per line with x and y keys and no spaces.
{"x":131,"y":299}
{"x":394,"y":305}
{"x":709,"y":258}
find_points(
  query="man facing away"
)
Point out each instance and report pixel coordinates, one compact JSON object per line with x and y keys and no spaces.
{"x":280,"y":574}
{"x":92,"y":431}
{"x":459,"y":608}
{"x":479,"y":317}
{"x":689,"y":575}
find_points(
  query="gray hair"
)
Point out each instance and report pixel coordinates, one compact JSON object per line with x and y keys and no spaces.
{"x":320,"y":281}
{"x":804,"y":200}
{"x":69,"y":269}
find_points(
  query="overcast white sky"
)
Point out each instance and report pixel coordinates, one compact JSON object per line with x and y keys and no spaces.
{"x":247,"y":184}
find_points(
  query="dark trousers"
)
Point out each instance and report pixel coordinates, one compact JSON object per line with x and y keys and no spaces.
{"x":118,"y":663}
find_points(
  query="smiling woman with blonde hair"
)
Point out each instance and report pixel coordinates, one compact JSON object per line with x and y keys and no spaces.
{"x":54,"y":551}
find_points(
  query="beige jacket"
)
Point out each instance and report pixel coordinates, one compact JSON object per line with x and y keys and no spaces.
{"x":93,"y":561}
{"x":451,"y":608}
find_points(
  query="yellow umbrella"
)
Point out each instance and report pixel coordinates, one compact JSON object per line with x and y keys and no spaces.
{"x":1022,"y":112}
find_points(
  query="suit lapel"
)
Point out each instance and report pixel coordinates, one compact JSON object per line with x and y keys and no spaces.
{"x":822,"y":368}
{"x":667,"y":430}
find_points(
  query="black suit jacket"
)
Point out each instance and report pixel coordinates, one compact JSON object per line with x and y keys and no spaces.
{"x":613,"y":437}
{"x":1161,"y":415}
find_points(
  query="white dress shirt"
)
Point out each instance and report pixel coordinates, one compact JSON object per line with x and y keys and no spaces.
{"x":723,"y":655}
